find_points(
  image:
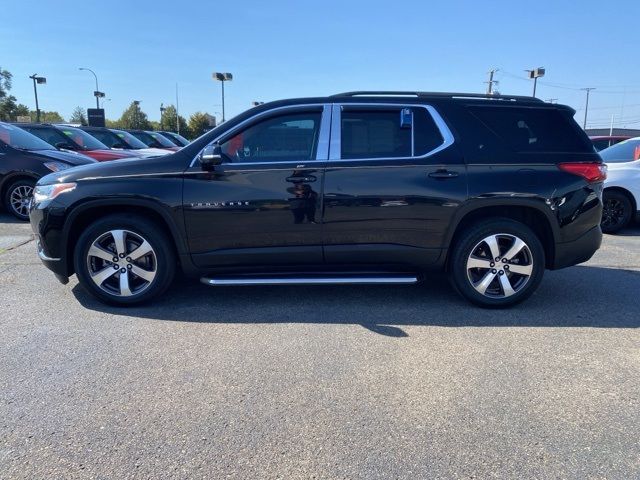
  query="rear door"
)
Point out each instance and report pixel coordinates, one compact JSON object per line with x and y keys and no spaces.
{"x":392,"y":184}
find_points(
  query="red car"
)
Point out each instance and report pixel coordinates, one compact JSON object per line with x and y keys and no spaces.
{"x":605,"y":141}
{"x":74,"y":139}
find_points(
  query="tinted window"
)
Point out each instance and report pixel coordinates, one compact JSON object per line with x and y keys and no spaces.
{"x":534,"y":129}
{"x":374,"y":134}
{"x":162,"y":140}
{"x":52,"y":136}
{"x":18,"y":138}
{"x":427,"y":136}
{"x":284,"y":138}
{"x":129,"y":139}
{"x":626,"y":151}
{"x":83,"y":139}
{"x":107,"y":137}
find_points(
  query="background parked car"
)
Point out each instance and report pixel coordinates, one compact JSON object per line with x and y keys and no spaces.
{"x":120,"y":139}
{"x":24,"y":158}
{"x":602,"y":142}
{"x":154,"y":140}
{"x":74,"y":139}
{"x":622,"y":187}
{"x":176,"y":138}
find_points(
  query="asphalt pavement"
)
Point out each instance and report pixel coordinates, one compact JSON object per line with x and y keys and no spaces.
{"x":321,"y":382}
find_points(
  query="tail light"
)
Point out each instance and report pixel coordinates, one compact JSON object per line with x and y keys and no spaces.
{"x":591,"y":172}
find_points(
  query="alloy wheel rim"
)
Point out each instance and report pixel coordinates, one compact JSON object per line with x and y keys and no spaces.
{"x":20,"y":198}
{"x":122,"y":263}
{"x":500,"y":265}
{"x":612,"y":212}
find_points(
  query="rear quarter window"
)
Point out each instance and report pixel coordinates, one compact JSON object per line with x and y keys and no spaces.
{"x":530,"y":129}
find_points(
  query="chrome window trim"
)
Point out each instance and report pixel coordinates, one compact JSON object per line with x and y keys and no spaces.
{"x":322,"y":152}
{"x":335,"y":154}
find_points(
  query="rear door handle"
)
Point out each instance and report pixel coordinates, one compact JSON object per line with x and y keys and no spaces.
{"x":294,"y":179}
{"x":443,"y":174}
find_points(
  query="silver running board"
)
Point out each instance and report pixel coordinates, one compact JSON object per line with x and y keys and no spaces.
{"x":312,"y":280}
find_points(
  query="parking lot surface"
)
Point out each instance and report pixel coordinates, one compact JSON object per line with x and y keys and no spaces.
{"x":321,"y":382}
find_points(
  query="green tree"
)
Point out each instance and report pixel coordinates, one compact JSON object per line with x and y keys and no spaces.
{"x":5,"y":82}
{"x":198,"y":124}
{"x":46,"y":117}
{"x":79,"y":116}
{"x":133,"y":117}
{"x":169,"y":123}
{"x":112,"y":123}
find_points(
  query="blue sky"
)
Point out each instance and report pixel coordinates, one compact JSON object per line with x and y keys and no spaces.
{"x":279,"y":49}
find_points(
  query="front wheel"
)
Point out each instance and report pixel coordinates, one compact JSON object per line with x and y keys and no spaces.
{"x":124,"y":260}
{"x":17,"y":198}
{"x":497,"y":263}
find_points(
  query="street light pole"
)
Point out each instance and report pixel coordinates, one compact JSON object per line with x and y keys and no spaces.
{"x":222,"y":77}
{"x":36,"y":79}
{"x":586,"y":106}
{"x":162,"y":109}
{"x":97,"y":93}
{"x":535,"y":74}
{"x":136,"y":103}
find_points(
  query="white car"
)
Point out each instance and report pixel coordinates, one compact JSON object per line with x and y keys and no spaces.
{"x":621,"y":196}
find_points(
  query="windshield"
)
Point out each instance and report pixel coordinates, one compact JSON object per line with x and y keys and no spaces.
{"x":165,"y":142}
{"x":179,"y":139}
{"x":129,"y":139}
{"x":626,"y":151}
{"x":83,"y":139}
{"x":144,"y":137}
{"x":50,"y":135}
{"x":18,"y":138}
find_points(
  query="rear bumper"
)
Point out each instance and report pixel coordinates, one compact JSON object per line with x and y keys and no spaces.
{"x":579,"y":250}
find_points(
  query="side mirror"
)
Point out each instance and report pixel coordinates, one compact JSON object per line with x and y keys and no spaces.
{"x":210,"y":156}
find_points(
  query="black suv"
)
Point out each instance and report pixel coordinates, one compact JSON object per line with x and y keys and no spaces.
{"x":359,"y":187}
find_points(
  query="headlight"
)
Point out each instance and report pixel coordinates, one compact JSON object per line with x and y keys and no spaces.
{"x":44,"y":193}
{"x":57,"y":166}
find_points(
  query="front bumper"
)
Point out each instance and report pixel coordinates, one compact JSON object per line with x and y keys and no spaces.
{"x":47,"y":246}
{"x":579,"y":250}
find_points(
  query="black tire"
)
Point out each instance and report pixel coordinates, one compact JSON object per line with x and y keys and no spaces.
{"x":617,"y":211}
{"x":14,"y":198}
{"x":160,"y":262}
{"x":467,"y":281}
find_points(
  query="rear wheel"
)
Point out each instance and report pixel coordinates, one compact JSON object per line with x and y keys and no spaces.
{"x":17,"y":197}
{"x":124,"y":260}
{"x":616,"y":211}
{"x":497,"y":263}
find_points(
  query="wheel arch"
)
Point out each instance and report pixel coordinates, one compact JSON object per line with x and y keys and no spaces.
{"x":627,"y":193}
{"x":529,"y":214}
{"x":14,"y":177}
{"x":84,"y":215}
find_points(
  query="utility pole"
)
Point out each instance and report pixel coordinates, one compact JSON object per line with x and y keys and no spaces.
{"x":586,"y":106}
{"x":36,"y":79}
{"x":177,"y":110}
{"x":491,"y":81}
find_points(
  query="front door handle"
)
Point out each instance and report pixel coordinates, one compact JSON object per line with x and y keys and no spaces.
{"x":294,"y":179}
{"x":443,"y":174}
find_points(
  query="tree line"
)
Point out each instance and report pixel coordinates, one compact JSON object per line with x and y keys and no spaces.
{"x":132,"y":118}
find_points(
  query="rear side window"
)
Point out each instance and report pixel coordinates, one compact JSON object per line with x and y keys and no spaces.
{"x":534,"y":129}
{"x":387,"y":133}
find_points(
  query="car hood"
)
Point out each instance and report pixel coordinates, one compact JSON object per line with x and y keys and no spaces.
{"x":71,"y":158}
{"x":152,"y":152}
{"x":127,"y":167}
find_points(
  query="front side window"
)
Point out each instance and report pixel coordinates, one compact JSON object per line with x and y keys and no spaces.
{"x":289,"y":137}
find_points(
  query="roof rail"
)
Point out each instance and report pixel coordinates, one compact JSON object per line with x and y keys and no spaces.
{"x":375,"y":93}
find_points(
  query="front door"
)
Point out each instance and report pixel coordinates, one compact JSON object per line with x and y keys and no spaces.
{"x":262,"y":204}
{"x":392,"y":184}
